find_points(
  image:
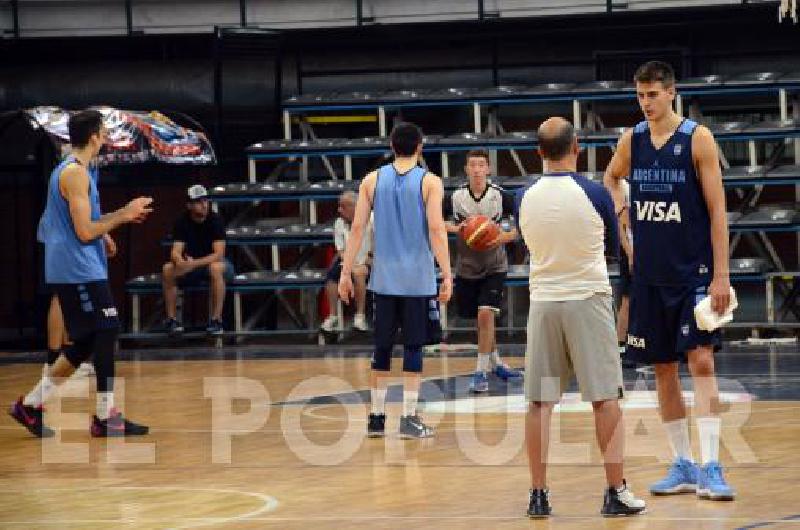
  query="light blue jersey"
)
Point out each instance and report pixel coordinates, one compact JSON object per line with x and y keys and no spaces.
{"x":66,"y":258}
{"x":403,"y":260}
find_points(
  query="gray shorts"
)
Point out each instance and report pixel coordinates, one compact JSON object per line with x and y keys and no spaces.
{"x":575,"y":337}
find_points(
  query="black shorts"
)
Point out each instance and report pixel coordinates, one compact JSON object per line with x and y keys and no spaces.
{"x":417,"y":317}
{"x":87,"y":307}
{"x":624,"y":275}
{"x":200,"y":276}
{"x":661,"y":325}
{"x":472,"y":294}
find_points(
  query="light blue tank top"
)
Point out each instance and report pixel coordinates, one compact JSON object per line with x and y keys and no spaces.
{"x":66,"y":259}
{"x":403,"y":260}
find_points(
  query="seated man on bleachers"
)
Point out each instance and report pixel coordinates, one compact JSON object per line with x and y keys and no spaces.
{"x":197,"y":257}
{"x":341,"y":231}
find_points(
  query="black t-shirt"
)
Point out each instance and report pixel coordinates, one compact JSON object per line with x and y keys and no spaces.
{"x":198,"y":237}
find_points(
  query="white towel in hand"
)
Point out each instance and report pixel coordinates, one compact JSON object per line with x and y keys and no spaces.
{"x":707,"y":319}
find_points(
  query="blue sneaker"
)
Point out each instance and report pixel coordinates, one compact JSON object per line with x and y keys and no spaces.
{"x":505,"y":373}
{"x":681,"y":478}
{"x":480,"y":383}
{"x":711,"y":483}
{"x":215,"y":328}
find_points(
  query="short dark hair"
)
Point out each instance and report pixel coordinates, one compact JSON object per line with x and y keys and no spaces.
{"x":559,"y":145}
{"x":655,"y":71}
{"x":82,"y":125}
{"x":478,"y":153}
{"x":405,"y":138}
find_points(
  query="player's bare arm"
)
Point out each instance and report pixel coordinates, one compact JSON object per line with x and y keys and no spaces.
{"x":706,"y":162}
{"x":74,"y":186}
{"x":433,"y":194}
{"x":619,"y":168}
{"x":363,"y":208}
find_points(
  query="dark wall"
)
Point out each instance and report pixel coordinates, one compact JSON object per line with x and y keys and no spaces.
{"x":181,"y":73}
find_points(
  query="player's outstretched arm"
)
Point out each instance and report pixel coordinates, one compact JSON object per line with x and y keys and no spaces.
{"x":619,"y":168}
{"x":706,"y":160}
{"x":74,"y":186}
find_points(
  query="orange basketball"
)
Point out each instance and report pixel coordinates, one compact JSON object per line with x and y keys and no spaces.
{"x":479,"y":231}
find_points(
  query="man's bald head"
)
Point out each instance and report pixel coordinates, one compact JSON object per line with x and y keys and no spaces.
{"x":556,"y":138}
{"x":347,"y":205}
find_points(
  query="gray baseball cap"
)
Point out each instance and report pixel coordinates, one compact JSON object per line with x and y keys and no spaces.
{"x":197,"y":192}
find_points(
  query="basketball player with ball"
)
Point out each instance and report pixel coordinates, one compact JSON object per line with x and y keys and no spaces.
{"x":481,"y":262}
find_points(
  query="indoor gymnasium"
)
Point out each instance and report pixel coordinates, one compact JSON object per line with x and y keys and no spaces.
{"x":379,"y":264}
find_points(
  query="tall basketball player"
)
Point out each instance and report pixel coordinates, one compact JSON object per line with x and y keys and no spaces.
{"x":680,"y":255}
{"x":76,"y":270}
{"x":409,"y":231}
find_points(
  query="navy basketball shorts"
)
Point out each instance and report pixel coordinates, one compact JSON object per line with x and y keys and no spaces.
{"x":87,"y":308}
{"x":661,"y":327}
{"x":472,"y":294}
{"x":414,"y":318}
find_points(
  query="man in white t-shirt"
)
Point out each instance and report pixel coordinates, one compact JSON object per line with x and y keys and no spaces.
{"x":341,"y":231}
{"x":569,"y":227}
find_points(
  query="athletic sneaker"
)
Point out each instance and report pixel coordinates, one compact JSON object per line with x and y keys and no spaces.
{"x":479,"y":383}
{"x":711,"y":483}
{"x":360,"y":322}
{"x":215,"y":327}
{"x":412,"y":427}
{"x":376,"y":426}
{"x":539,"y":504}
{"x":116,"y":425}
{"x":85,"y":370}
{"x":31,"y":419}
{"x":505,"y":373}
{"x":174,"y":328}
{"x":681,"y":478}
{"x":621,"y":502}
{"x":330,"y":324}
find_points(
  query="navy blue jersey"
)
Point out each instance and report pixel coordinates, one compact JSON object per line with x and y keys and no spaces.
{"x":669,"y":217}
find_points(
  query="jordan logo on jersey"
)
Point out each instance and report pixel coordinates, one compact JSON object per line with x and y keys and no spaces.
{"x":658,"y":211}
{"x":677,"y":150}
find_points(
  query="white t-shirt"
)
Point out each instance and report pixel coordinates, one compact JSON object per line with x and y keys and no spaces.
{"x":341,"y":231}
{"x":568,"y":224}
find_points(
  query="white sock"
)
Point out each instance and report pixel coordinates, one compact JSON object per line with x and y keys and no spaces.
{"x":496,"y":358}
{"x":678,"y":435}
{"x":105,"y":402}
{"x":483,"y":362}
{"x":43,"y":389}
{"x":378,"y":400}
{"x":410,"y":402}
{"x":708,"y":429}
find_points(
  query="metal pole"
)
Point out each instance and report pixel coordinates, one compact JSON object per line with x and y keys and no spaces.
{"x":481,"y":10}
{"x":359,"y":12}
{"x":15,"y":17}
{"x":243,"y":13}
{"x":129,"y":16}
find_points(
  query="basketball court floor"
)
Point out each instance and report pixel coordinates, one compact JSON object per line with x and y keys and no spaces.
{"x":273,"y":437}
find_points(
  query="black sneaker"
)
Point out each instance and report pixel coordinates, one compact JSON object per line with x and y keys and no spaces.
{"x":215,"y":328}
{"x":31,"y":419}
{"x":539,"y":505}
{"x":174,"y":328}
{"x":411,"y":427}
{"x":116,"y":425}
{"x":376,"y":427}
{"x":621,"y":502}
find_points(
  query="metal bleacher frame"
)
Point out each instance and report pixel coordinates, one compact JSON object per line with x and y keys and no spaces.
{"x":748,"y":182}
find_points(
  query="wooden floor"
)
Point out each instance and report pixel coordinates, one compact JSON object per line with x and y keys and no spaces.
{"x":276,"y":477}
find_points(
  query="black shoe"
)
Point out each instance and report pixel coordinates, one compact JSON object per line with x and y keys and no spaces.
{"x":376,"y":427}
{"x":621,"y":502}
{"x":215,"y":328}
{"x":31,"y":419}
{"x":116,"y":425}
{"x":539,"y":505}
{"x":174,"y":328}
